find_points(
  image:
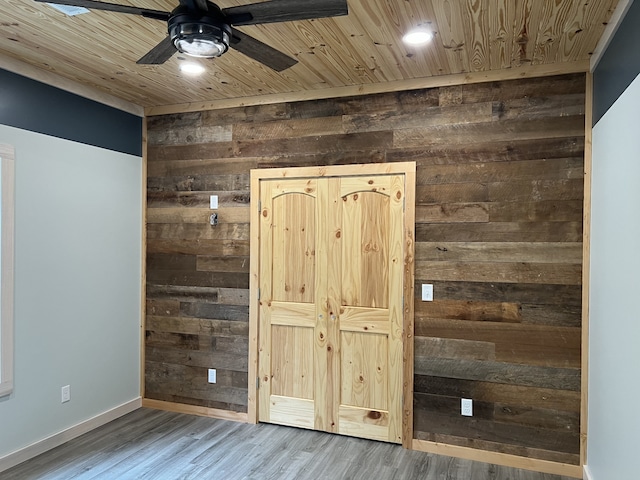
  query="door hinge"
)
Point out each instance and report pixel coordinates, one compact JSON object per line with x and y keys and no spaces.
{"x":404,"y":203}
{"x":258,"y":294}
{"x":259,"y":206}
{"x":257,"y":383}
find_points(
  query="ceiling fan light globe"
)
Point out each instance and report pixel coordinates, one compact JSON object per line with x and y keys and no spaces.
{"x":200,"y":47}
{"x":199,"y":39}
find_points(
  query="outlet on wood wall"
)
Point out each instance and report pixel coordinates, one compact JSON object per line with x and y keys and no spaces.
{"x":498,"y":234}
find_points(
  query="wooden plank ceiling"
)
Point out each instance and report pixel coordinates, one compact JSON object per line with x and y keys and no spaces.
{"x":99,"y":49}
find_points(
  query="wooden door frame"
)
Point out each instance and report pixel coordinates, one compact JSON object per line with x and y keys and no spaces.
{"x":408,"y":169}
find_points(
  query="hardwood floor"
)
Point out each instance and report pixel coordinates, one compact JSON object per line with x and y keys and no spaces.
{"x":152,"y":444}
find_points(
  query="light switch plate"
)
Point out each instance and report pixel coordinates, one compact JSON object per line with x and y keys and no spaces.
{"x":212,"y":375}
{"x":427,"y":292}
{"x":213,"y":202}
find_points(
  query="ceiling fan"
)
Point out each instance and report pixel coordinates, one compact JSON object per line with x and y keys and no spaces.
{"x":202,"y":29}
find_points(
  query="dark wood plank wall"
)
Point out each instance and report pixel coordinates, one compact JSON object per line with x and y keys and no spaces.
{"x":498,"y":234}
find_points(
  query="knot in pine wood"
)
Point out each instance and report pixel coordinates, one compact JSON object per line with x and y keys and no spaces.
{"x":373,"y":415}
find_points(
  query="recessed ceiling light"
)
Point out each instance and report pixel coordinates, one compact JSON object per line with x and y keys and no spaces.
{"x":191,"y":68}
{"x":417,"y":37}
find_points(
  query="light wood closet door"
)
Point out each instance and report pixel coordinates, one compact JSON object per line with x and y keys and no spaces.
{"x":330,"y":315}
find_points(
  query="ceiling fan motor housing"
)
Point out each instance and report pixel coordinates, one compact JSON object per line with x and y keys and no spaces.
{"x":202,"y":34}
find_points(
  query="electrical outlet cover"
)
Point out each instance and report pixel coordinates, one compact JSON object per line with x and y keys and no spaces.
{"x":66,"y":393}
{"x":212,"y":375}
{"x":427,"y":292}
{"x":466,"y":407}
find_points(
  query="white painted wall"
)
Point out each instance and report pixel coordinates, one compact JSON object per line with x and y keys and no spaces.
{"x":614,"y":329}
{"x":78,"y":226}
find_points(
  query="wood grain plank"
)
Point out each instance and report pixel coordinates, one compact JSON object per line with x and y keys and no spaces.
{"x":533,"y":459}
{"x":490,"y":151}
{"x":473,"y":311}
{"x":501,"y":232}
{"x":287,"y":128}
{"x":238,"y":313}
{"x":209,"y":166}
{"x":525,"y":293}
{"x":536,"y":211}
{"x":190,"y":231}
{"x":200,"y":326}
{"x":201,"y":151}
{"x":200,"y":216}
{"x":198,"y":279}
{"x":428,"y":116}
{"x":207,"y":182}
{"x":209,"y":263}
{"x":169,"y":308}
{"x":196,"y":199}
{"x":489,"y":132}
{"x":500,"y":252}
{"x":324,"y":144}
{"x":498,"y":372}
{"x":453,"y":213}
{"x":534,"y":170}
{"x":194,"y":247}
{"x":551,"y":440}
{"x":452,"y":193}
{"x":490,"y":392}
{"x":504,"y":272}
{"x":453,"y":348}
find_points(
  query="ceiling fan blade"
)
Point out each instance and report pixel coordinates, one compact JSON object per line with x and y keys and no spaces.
{"x":260,"y":51}
{"x":159,"y":54}
{"x":284,"y":11}
{"x":112,"y":7}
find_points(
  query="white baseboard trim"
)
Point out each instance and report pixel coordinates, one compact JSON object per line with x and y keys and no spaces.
{"x":587,"y":473}
{"x":14,"y":458}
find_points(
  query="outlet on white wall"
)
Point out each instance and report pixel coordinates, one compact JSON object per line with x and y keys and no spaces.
{"x":66,"y":393}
